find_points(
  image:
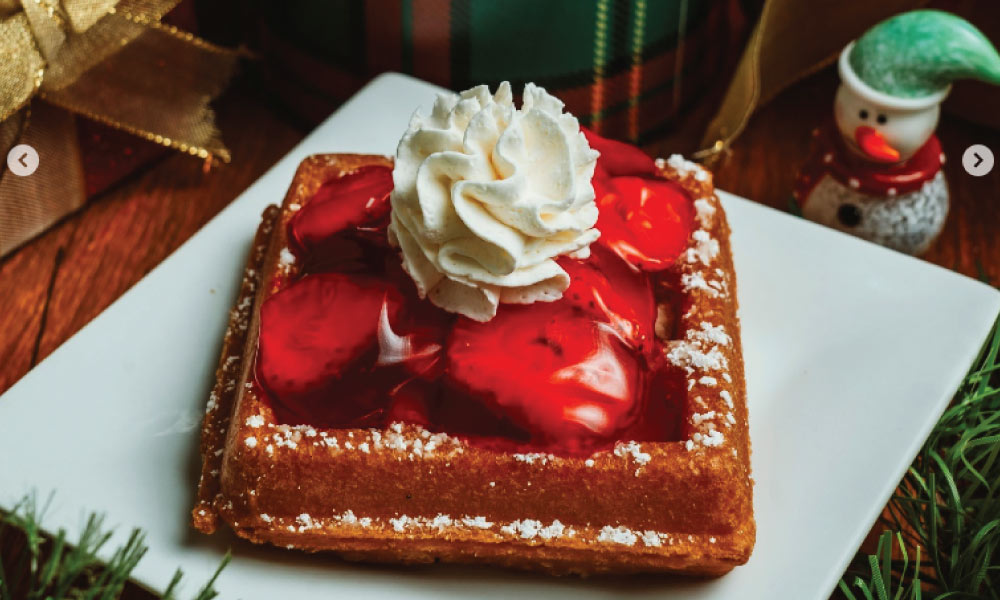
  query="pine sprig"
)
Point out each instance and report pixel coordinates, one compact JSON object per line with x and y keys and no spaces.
{"x":885,"y":574}
{"x":49,"y":567}
{"x":948,"y":503}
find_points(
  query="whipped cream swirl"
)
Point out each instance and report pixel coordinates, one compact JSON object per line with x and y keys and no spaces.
{"x":487,"y":196}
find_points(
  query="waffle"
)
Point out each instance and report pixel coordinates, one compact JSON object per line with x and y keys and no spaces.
{"x":407,"y":495}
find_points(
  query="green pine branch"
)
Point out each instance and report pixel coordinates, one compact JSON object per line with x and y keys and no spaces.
{"x":947,"y":506}
{"x":49,"y":567}
{"x":887,"y":574}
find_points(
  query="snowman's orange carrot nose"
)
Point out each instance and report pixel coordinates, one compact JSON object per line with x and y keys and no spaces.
{"x":875,"y":145}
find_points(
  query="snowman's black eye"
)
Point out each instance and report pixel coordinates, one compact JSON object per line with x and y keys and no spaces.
{"x":863,"y":114}
{"x":849,"y":215}
{"x":882,"y":119}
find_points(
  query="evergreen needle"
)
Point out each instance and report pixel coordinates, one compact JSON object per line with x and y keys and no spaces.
{"x":49,"y":567}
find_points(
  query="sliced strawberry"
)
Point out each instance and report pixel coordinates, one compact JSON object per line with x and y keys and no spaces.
{"x":356,"y":200}
{"x":645,"y":220}
{"x":619,"y":158}
{"x":550,"y":370}
{"x":610,"y":290}
{"x":317,"y":331}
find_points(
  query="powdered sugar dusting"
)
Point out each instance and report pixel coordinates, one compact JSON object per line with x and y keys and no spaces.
{"x":699,"y":354}
{"x":423,"y":444}
{"x":632,"y":449}
{"x":399,"y":523}
{"x":692,"y":357}
{"x":714,"y":438}
{"x":305,"y":522}
{"x":685,"y":167}
{"x":705,"y":249}
{"x":714,"y":333}
{"x":286,"y":437}
{"x":529,"y":529}
{"x":618,"y":535}
{"x":477,"y":522}
{"x":213,"y":402}
{"x":533,"y":457}
{"x":705,"y":211}
{"x":524,"y":529}
{"x":696,"y":282}
{"x":651,"y":538}
{"x":697,"y":418}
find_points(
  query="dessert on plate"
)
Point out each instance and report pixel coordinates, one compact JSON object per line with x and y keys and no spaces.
{"x":514,"y":343}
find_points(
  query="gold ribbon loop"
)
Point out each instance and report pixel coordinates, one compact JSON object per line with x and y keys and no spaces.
{"x":21,"y":65}
{"x":112,"y":61}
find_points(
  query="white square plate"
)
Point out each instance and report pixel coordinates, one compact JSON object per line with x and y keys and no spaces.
{"x":852,"y":353}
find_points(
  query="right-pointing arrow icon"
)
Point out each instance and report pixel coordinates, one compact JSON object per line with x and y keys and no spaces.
{"x":977,"y":160}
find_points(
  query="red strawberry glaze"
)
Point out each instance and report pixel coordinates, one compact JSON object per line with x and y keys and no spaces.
{"x":358,"y":201}
{"x":347,"y":342}
{"x":644,"y":220}
{"x":551,"y":370}
{"x":608,"y":290}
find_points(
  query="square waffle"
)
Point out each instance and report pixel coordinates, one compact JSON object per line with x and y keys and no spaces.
{"x":409,"y":495}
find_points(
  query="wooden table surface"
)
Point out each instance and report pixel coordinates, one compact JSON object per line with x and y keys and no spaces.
{"x":55,"y":284}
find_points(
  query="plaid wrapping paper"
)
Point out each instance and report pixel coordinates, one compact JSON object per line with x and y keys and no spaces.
{"x":629,"y":69}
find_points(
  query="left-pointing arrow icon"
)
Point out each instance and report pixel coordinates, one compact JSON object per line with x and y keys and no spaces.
{"x":22,"y":160}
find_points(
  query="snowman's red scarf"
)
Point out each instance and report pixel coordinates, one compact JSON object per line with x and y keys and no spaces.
{"x":831,"y":155}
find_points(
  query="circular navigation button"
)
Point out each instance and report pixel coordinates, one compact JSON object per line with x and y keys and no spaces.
{"x":22,"y":160}
{"x":977,"y":160}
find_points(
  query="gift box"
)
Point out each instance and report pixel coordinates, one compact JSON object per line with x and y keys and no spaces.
{"x":634,"y":70}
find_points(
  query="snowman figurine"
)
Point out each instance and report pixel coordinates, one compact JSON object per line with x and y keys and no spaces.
{"x":876,"y":171}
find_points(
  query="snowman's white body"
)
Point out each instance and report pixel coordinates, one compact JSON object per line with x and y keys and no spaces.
{"x":906,"y":222}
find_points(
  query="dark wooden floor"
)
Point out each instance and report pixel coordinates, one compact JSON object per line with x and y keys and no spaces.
{"x":54,"y":285}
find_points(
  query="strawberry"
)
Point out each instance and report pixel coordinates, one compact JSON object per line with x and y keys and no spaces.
{"x":357,"y":200}
{"x":618,"y":158}
{"x":610,"y":290}
{"x":549,"y":369}
{"x":317,"y":331}
{"x":645,"y":220}
{"x":335,"y":348}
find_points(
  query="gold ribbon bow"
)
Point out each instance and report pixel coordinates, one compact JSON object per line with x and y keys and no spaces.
{"x":112,"y":61}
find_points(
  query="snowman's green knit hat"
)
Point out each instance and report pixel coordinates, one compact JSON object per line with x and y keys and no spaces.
{"x":919,"y":53}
